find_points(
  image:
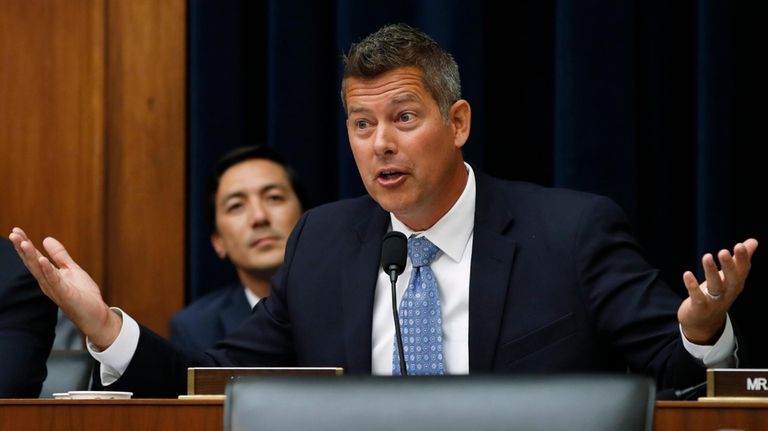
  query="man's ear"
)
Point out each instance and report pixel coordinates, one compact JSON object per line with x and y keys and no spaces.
{"x":460,"y":116}
{"x":218,"y":245}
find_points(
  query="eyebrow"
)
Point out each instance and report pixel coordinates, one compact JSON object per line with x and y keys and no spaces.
{"x":357,"y":110}
{"x":397,"y":100}
{"x":403,"y":98}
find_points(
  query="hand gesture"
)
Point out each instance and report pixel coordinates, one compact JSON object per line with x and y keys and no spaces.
{"x":702,"y":314}
{"x":70,"y":287}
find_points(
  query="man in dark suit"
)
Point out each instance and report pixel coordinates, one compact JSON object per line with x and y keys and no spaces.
{"x":210,"y":318}
{"x":27,"y":322}
{"x":254,"y":201}
{"x":524,"y":279}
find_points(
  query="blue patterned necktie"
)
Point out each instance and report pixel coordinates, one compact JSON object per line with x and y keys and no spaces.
{"x":420,"y":321}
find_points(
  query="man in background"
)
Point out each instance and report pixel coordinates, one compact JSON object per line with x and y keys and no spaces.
{"x":27,"y":322}
{"x":254,"y":201}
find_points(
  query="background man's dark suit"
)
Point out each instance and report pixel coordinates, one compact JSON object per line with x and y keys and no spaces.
{"x":210,"y":318}
{"x":557,"y":284}
{"x":27,"y":327}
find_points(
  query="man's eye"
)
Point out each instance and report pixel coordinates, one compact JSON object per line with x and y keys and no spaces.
{"x":361,"y":124}
{"x":406,"y":117}
{"x":234,"y":207}
{"x":276,"y":198}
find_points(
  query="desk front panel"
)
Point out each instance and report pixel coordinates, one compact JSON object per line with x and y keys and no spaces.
{"x":699,"y":415}
{"x":138,"y":414}
{"x":193,"y":415}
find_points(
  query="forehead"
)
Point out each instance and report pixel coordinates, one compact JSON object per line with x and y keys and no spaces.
{"x":253,"y":173}
{"x":400,"y":84}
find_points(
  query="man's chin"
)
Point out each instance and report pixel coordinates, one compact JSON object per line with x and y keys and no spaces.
{"x":396,"y":204}
{"x":265,"y":265}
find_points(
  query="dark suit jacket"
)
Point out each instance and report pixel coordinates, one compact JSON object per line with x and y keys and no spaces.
{"x":27,"y":326}
{"x":557,"y":284}
{"x":210,"y":318}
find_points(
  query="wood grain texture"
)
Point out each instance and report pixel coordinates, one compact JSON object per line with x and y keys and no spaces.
{"x":191,"y":415}
{"x":92,"y":141}
{"x":52,"y":124}
{"x":695,"y":416}
{"x":145,"y":158}
{"x":115,"y":415}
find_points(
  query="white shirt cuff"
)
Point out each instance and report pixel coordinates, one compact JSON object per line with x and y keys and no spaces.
{"x":720,"y":355}
{"x":115,"y":358}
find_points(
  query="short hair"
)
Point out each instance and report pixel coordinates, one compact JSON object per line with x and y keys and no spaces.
{"x":242,"y":154}
{"x":400,"y":45}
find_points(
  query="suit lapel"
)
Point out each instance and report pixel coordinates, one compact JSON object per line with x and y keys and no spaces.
{"x":358,"y":287}
{"x":492,"y":256}
{"x":236,"y":311}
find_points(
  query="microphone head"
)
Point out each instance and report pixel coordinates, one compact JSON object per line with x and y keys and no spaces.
{"x":394,"y":252}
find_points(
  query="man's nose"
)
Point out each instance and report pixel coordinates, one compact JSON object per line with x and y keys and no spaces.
{"x":384,"y":140}
{"x":257,"y":214}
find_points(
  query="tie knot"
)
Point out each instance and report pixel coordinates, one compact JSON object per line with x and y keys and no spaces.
{"x":421,"y":251}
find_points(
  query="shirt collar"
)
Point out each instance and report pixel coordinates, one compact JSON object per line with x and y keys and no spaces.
{"x":251,"y":297}
{"x":451,"y":233}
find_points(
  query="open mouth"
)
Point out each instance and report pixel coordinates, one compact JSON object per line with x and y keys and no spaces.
{"x":390,"y":175}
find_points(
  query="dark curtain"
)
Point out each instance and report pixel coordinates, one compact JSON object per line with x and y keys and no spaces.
{"x":657,"y":104}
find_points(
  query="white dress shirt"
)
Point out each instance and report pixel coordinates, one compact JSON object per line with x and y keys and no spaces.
{"x":452,"y":234}
{"x":252,"y":298}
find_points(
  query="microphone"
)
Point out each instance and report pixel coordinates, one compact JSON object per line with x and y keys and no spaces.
{"x":688,"y":393}
{"x":394,"y":251}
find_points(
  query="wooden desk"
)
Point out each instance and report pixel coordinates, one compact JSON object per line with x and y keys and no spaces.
{"x":699,"y":415}
{"x":139,"y":414}
{"x":193,"y":415}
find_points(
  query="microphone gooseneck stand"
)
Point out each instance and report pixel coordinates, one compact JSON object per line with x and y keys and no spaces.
{"x":394,"y":253}
{"x":398,"y":335}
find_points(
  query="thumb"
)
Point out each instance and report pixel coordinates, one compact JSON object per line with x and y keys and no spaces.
{"x":58,"y":253}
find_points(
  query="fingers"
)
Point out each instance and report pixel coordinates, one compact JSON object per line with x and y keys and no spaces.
{"x":28,"y":252}
{"x":692,"y":285}
{"x":736,"y":267}
{"x":729,"y":280}
{"x":750,"y":245}
{"x":17,"y":237}
{"x":29,"y":255}
{"x":58,"y":253}
{"x":742,"y":253}
{"x":46,"y":274}
{"x":49,"y":272}
{"x":18,"y":231}
{"x":712,"y":275}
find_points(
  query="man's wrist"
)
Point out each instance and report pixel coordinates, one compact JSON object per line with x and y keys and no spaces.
{"x":721,"y":354}
{"x":104,"y":338}
{"x":704,"y":338}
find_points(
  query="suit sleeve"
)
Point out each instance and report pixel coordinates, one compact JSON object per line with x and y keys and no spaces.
{"x":159,"y":369}
{"x":27,"y":329}
{"x":633,"y":309}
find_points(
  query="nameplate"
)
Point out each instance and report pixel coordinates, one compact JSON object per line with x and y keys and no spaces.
{"x":213,"y":380}
{"x":737,"y":382}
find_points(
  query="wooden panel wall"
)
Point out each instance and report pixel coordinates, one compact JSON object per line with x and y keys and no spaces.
{"x":146,"y":157}
{"x":92,"y":140}
{"x":52,"y":124}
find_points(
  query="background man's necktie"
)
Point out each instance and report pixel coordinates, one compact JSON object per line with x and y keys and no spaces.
{"x":420,"y":319}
